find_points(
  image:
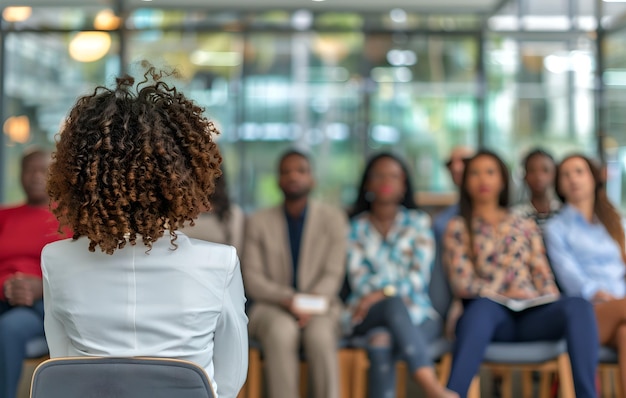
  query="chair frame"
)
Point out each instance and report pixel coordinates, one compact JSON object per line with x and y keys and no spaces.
{"x":47,"y":363}
{"x":361,"y":364}
{"x":560,"y":365}
{"x":253,"y":388}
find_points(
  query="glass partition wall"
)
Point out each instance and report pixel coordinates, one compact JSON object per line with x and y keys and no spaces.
{"x":337,"y":85}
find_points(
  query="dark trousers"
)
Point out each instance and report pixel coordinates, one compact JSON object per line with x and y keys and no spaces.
{"x":484,"y":321}
{"x":18,"y":325}
{"x":408,"y":341}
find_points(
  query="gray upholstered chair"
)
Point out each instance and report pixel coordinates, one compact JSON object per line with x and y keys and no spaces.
{"x":545,"y":357}
{"x":85,"y":377}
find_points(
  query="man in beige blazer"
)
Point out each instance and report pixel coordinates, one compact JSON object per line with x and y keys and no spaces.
{"x":296,"y":248}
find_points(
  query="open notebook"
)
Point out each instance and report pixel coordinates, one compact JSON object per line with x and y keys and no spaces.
{"x":520,"y":305}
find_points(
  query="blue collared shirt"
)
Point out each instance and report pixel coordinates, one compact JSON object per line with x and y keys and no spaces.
{"x":585,"y":258}
{"x":295,"y":226}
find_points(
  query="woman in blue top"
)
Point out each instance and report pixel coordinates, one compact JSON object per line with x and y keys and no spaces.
{"x":585,"y":243}
{"x":390,"y":255}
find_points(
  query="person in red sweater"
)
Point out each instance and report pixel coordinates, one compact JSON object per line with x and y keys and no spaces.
{"x":24,"y":231}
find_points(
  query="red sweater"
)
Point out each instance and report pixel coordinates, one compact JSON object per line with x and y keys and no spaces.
{"x":24,"y":231}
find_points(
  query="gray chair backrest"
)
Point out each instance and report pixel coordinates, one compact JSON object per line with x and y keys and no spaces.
{"x":88,"y":377}
{"x":439,"y":288}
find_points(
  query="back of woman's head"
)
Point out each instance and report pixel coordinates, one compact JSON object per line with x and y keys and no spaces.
{"x":608,"y":215}
{"x":133,"y":160}
{"x":364,"y":201}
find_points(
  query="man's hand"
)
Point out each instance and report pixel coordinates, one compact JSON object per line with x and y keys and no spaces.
{"x":302,"y":318}
{"x":23,"y":290}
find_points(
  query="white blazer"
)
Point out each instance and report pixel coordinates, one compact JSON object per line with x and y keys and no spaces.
{"x":186,"y":303}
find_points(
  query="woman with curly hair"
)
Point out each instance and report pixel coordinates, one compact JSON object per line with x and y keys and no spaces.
{"x":132,"y":165}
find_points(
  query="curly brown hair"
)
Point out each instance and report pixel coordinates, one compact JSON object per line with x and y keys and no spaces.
{"x":133,"y":161}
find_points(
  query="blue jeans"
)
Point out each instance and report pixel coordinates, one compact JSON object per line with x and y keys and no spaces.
{"x":484,"y":321}
{"x":18,"y":325}
{"x":408,"y":342}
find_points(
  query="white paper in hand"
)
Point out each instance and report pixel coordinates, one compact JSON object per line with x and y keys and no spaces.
{"x":310,"y":304}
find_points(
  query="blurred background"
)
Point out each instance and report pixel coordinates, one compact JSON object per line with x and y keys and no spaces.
{"x":338,"y":78}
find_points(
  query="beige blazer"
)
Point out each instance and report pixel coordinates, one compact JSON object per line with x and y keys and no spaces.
{"x":267,"y":263}
{"x":208,"y":227}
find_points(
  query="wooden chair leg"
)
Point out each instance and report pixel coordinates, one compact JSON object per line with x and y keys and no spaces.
{"x":359,"y":373}
{"x":474,"y":390}
{"x":345,"y":370}
{"x":507,"y":383}
{"x":255,"y":374}
{"x":545,"y":384}
{"x":606,"y":385}
{"x":401,"y":379}
{"x":566,"y":380}
{"x":304,"y":380}
{"x":618,"y":382}
{"x":445,"y":364}
{"x":527,"y":383}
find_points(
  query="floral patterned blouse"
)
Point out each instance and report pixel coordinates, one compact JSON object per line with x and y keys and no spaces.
{"x":404,"y":259}
{"x":510,"y":255}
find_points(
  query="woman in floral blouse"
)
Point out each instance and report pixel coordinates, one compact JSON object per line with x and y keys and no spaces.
{"x":390,"y":256}
{"x":492,"y":254}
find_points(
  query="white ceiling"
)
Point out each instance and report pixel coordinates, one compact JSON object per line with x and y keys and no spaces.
{"x":439,"y":6}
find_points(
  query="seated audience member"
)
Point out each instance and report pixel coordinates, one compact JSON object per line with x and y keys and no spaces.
{"x":132,"y":166}
{"x":585,"y":243}
{"x":391,"y":251}
{"x":24,"y":231}
{"x":540,"y":170}
{"x":491,"y":255}
{"x":224,"y":223}
{"x":455,"y":165}
{"x":294,"y":265}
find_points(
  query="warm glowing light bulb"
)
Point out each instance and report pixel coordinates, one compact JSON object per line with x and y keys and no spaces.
{"x":90,"y":46}
{"x":16,"y":14}
{"x":17,"y":128}
{"x":106,"y":20}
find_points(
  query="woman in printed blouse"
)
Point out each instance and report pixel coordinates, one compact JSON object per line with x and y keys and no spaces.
{"x":491,"y":252}
{"x":585,"y":243}
{"x":390,"y":255}
{"x":540,"y":170}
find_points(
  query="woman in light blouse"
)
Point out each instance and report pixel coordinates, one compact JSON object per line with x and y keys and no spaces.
{"x":133,"y":164}
{"x":390,"y":256}
{"x":585,"y":243}
{"x":491,"y":253}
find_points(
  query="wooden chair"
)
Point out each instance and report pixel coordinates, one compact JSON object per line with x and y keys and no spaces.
{"x":79,"y":377}
{"x":439,"y":351}
{"x":254,"y":384}
{"x":546,"y":357}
